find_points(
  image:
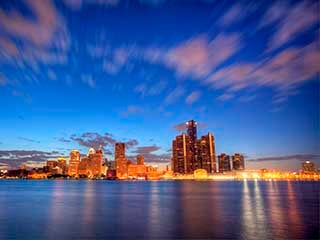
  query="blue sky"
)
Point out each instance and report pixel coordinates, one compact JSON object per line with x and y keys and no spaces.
{"x":80,"y":73}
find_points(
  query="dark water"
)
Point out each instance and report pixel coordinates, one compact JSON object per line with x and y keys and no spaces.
{"x":162,"y":210}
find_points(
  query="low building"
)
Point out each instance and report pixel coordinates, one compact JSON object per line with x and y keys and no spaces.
{"x":308,"y":167}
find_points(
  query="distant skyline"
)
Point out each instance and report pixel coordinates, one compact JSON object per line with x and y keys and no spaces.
{"x":80,"y":74}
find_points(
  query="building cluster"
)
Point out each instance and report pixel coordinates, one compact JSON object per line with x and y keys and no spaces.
{"x":126,"y":169}
{"x":192,"y":158}
{"x":190,"y":153}
{"x":90,"y":165}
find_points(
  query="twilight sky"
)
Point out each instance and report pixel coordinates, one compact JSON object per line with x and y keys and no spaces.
{"x":75,"y":74}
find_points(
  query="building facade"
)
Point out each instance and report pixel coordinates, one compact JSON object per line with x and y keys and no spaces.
{"x":181,"y":154}
{"x":121,"y":161}
{"x":308,"y":167}
{"x":224,"y":163}
{"x":140,"y":160}
{"x":207,"y":153}
{"x":238,"y":162}
{"x":190,"y":153}
{"x":74,"y":162}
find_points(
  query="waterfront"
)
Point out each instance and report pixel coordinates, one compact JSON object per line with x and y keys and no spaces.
{"x":159,"y":209}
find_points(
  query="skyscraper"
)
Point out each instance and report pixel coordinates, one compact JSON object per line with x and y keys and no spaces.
{"x":95,"y":163}
{"x":121,"y":161}
{"x":206,"y":153}
{"x":189,"y":154}
{"x":193,"y":162}
{"x":74,"y":162}
{"x":62,"y":163}
{"x":224,"y":162}
{"x":119,"y":150}
{"x":192,"y":130}
{"x":237,"y":162}
{"x":182,"y":155}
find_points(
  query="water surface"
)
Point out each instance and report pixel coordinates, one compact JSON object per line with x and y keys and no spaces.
{"x":160,"y":209}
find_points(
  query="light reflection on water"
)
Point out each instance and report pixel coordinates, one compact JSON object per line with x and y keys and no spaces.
{"x":177,"y":209}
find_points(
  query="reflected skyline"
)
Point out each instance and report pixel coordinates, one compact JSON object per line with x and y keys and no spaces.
{"x":188,"y":209}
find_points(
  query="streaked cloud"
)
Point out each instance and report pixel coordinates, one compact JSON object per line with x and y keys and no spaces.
{"x":193,"y":97}
{"x":28,"y":140}
{"x":96,"y":140}
{"x":198,"y":56}
{"x":174,"y":95}
{"x":14,"y":158}
{"x":283,"y":72}
{"x":145,"y":89}
{"x":299,"y":157}
{"x":237,"y":13}
{"x":150,"y":155}
{"x":132,"y":109}
{"x":88,"y":79}
{"x":291,"y":21}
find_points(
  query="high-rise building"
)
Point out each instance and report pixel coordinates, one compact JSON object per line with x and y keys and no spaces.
{"x":140,"y":160}
{"x":192,"y":142}
{"x":83,"y":167}
{"x":51,"y":164}
{"x":192,"y":130}
{"x":237,"y":162}
{"x":62,"y":164}
{"x":96,"y":159}
{"x":206,"y":153}
{"x":224,"y":162}
{"x":91,"y":165}
{"x":121,"y":161}
{"x":74,"y":162}
{"x":120,"y":150}
{"x":182,"y":155}
{"x":189,"y":154}
{"x":308,"y":167}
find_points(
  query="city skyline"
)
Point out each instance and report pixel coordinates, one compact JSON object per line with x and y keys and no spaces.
{"x":91,"y":73}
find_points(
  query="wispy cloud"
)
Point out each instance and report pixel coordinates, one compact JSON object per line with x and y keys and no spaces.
{"x":96,"y":140}
{"x":174,"y":95}
{"x":198,"y":56}
{"x":299,"y":157}
{"x":282,"y":72}
{"x":291,"y":20}
{"x":118,"y":60}
{"x":150,"y":155}
{"x":237,"y":13}
{"x":193,"y":97}
{"x":3,"y":80}
{"x":225,"y":97}
{"x":78,"y":4}
{"x":14,"y":158}
{"x":88,"y":79}
{"x":29,"y":140}
{"x":132,"y":109}
{"x":145,"y":89}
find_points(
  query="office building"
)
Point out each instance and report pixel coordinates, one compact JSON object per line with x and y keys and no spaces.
{"x":308,"y":167}
{"x":181,"y":154}
{"x":224,"y":163}
{"x":91,"y":165}
{"x":206,"y":153}
{"x":121,"y":161}
{"x":120,"y":150}
{"x":74,"y":162}
{"x":140,"y":160}
{"x":62,"y":164}
{"x":237,"y":162}
{"x":189,"y":153}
